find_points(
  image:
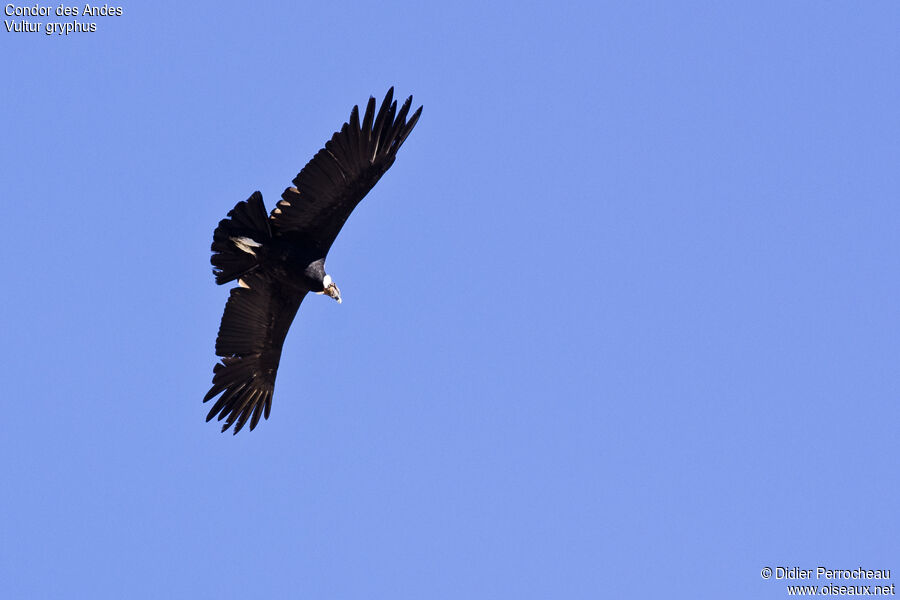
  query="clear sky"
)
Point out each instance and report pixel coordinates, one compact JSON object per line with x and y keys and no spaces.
{"x":621,"y":321}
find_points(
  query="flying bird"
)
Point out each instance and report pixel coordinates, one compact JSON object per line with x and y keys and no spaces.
{"x":278,"y":258}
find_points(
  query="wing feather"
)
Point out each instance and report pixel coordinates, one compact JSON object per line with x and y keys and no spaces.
{"x":367,"y":125}
{"x":251,"y":335}
{"x":379,"y":122}
{"x":257,"y":411}
{"x":340,"y":175}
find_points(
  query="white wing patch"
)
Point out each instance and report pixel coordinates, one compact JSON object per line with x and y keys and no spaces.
{"x":246,"y":244}
{"x":281,"y":204}
{"x":243,"y":284}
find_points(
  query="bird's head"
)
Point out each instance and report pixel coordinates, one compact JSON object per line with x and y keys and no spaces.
{"x":330,"y":288}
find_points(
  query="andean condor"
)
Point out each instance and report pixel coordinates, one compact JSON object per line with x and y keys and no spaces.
{"x":278,"y":258}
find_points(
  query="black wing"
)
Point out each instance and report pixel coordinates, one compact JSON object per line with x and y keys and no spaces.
{"x":254,"y":325}
{"x":330,"y":186}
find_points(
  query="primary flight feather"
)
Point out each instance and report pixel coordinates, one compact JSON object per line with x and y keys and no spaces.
{"x":278,"y":258}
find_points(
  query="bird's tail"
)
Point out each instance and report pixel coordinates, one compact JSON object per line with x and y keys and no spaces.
{"x":239,"y":239}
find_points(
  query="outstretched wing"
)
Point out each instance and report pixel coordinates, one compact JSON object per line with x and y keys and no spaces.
{"x":330,"y":186}
{"x":256,"y":320}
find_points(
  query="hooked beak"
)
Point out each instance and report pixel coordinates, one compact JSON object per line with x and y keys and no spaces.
{"x":333,"y":291}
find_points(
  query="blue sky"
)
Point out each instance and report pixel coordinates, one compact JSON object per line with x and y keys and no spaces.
{"x":621,"y":321}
